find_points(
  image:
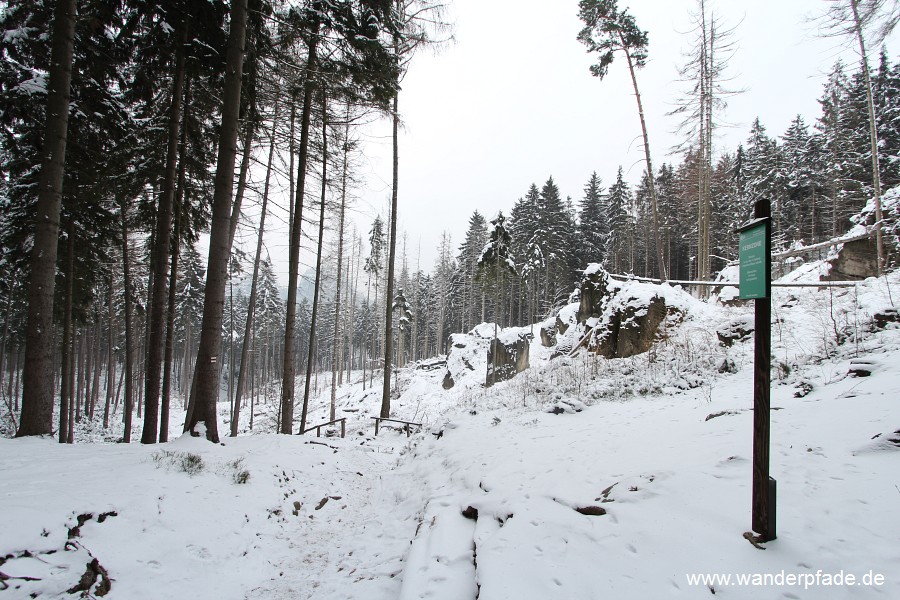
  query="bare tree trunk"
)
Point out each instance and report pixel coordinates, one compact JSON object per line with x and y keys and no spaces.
{"x":251,"y":307}
{"x":95,"y":388}
{"x":65,"y":394}
{"x":290,"y":325}
{"x":156,"y":319}
{"x":79,"y":373}
{"x":653,"y":202}
{"x":335,"y":366}
{"x":873,"y":136}
{"x":204,"y":392}
{"x":110,"y":355}
{"x":315,"y":303}
{"x":169,"y":351}
{"x":37,"y":394}
{"x":248,"y":148}
{"x":128,"y":375}
{"x":392,"y":255}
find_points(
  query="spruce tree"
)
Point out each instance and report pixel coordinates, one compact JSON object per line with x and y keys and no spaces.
{"x":618,"y":200}
{"x":593,"y":227}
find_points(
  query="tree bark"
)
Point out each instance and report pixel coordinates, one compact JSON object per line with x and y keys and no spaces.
{"x":156,"y":323}
{"x":251,"y":307}
{"x":310,"y":357}
{"x":288,"y":367}
{"x":65,"y":394}
{"x":37,"y":393}
{"x":335,"y":366}
{"x":204,"y":392}
{"x":110,"y":355}
{"x":873,"y":136}
{"x":392,"y":254}
{"x":128,"y":375}
{"x":653,"y":203}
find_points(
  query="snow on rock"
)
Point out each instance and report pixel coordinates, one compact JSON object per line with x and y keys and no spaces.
{"x":637,"y":487}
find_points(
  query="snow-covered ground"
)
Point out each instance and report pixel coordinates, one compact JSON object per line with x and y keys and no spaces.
{"x":488,"y":501}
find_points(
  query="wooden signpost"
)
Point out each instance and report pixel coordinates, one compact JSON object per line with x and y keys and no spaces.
{"x":756,"y":284}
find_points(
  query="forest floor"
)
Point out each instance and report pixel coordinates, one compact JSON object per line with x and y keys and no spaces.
{"x":655,"y":449}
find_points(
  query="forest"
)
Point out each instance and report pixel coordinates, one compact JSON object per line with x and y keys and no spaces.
{"x":137,"y":134}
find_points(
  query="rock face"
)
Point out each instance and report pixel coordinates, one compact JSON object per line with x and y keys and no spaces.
{"x":631,"y":331}
{"x":548,"y":337}
{"x":855,"y":260}
{"x":593,"y":294}
{"x":504,"y":360}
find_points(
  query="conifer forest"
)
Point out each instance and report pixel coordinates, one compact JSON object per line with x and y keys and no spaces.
{"x":131,"y":130}
{"x":312,"y":299}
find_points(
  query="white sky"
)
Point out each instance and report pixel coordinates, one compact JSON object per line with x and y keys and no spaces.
{"x":512,"y":102}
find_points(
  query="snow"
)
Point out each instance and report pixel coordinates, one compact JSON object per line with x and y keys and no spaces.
{"x":661,"y":442}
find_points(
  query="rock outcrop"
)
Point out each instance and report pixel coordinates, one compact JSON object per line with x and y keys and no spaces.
{"x":505,"y":359}
{"x":613,"y":322}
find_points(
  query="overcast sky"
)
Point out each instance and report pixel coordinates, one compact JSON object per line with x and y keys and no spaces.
{"x":512,"y":102}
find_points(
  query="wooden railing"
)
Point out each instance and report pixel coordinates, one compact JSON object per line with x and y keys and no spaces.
{"x":318,"y":428}
{"x":406,"y":424}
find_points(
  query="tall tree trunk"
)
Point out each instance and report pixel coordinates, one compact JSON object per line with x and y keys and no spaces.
{"x":169,"y":351}
{"x":65,"y":394}
{"x":37,"y":393}
{"x":128,"y":375}
{"x":110,"y":355}
{"x":290,"y":325}
{"x":251,"y":307}
{"x":204,"y":392}
{"x":652,"y":186}
{"x":335,"y":366}
{"x":95,"y":388}
{"x":156,"y":323}
{"x":392,"y":255}
{"x":873,"y":136}
{"x":79,"y":373}
{"x":311,"y":355}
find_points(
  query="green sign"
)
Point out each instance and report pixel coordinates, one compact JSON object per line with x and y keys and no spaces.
{"x":753,"y":262}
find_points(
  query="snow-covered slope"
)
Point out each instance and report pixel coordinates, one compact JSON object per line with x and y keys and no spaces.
{"x":488,"y":500}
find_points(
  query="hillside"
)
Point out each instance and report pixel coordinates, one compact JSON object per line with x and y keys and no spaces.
{"x":489,"y":499}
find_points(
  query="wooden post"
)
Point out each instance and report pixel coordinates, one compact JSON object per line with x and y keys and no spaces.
{"x":762,"y":510}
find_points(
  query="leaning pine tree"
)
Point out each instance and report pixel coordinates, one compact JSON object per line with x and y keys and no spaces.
{"x":607,"y":30}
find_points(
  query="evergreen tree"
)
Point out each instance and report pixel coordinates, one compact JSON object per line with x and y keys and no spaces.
{"x":469,"y":294}
{"x":593,"y":227}
{"x":554,"y":236}
{"x":796,"y":178}
{"x":618,"y":201}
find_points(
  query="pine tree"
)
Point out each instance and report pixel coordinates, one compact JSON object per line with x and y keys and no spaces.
{"x":608,"y":30}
